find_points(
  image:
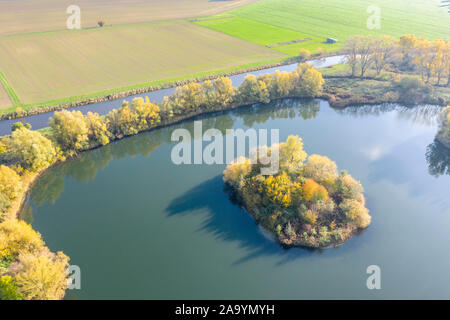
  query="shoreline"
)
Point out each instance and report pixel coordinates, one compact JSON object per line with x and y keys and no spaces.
{"x":17,"y":204}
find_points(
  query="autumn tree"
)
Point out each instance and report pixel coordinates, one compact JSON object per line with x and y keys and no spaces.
{"x":384,"y":52}
{"x":308,"y":82}
{"x":356,"y":212}
{"x":291,"y":154}
{"x":224,"y":91}
{"x":17,"y":236}
{"x":70,"y":130}
{"x":253,"y":90}
{"x":31,"y":150}
{"x":98,"y":133}
{"x":10,"y":183}
{"x":42,"y":275}
{"x":320,"y":169}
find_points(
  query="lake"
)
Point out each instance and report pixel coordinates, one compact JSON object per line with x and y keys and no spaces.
{"x":140,"y":227}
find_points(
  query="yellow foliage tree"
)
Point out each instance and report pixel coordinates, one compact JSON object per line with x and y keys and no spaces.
{"x":237,"y":171}
{"x":70,"y":130}
{"x":312,"y":191}
{"x":97,"y":129}
{"x":320,"y":169}
{"x":10,"y":183}
{"x":31,"y":149}
{"x":17,"y":236}
{"x":291,"y":154}
{"x":41,"y":276}
{"x":278,"y":189}
{"x":356,"y":212}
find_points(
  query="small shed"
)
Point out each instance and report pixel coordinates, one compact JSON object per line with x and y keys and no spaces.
{"x":332,"y":40}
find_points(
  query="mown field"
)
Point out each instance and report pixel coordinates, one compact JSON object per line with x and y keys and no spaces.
{"x":319,"y":19}
{"x":25,"y":16}
{"x":53,"y":65}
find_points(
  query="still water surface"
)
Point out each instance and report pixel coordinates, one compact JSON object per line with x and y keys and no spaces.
{"x":141,"y":227}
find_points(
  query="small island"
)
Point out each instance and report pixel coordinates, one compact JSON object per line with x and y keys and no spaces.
{"x":308,"y":203}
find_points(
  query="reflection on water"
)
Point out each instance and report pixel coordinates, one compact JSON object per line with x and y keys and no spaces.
{"x":438,"y":158}
{"x":424,"y":114}
{"x":84,"y":168}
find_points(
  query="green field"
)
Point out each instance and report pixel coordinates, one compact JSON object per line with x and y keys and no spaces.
{"x":54,"y":65}
{"x":320,"y":19}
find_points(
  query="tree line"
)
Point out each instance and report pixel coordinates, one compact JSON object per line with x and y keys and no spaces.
{"x":430,"y":59}
{"x":28,"y":270}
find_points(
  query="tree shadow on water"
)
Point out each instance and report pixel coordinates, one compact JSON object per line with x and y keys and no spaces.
{"x":228,"y":222}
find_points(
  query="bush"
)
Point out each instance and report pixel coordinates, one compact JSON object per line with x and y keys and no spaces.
{"x":412,"y":90}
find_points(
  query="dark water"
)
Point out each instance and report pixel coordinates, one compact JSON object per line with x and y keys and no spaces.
{"x":141,"y":227}
{"x":40,"y":121}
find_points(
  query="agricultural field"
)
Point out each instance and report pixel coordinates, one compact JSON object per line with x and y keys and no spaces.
{"x":52,"y":65}
{"x":5,"y":102}
{"x":320,"y":19}
{"x":25,"y":16}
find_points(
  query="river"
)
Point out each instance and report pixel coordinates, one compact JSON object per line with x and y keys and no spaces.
{"x":141,"y":227}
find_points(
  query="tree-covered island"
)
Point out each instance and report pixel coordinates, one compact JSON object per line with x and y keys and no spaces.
{"x":307,"y":203}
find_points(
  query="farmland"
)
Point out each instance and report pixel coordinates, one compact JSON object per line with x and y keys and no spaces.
{"x":5,"y":102}
{"x":25,"y":16}
{"x":53,"y":65}
{"x":319,"y":19}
